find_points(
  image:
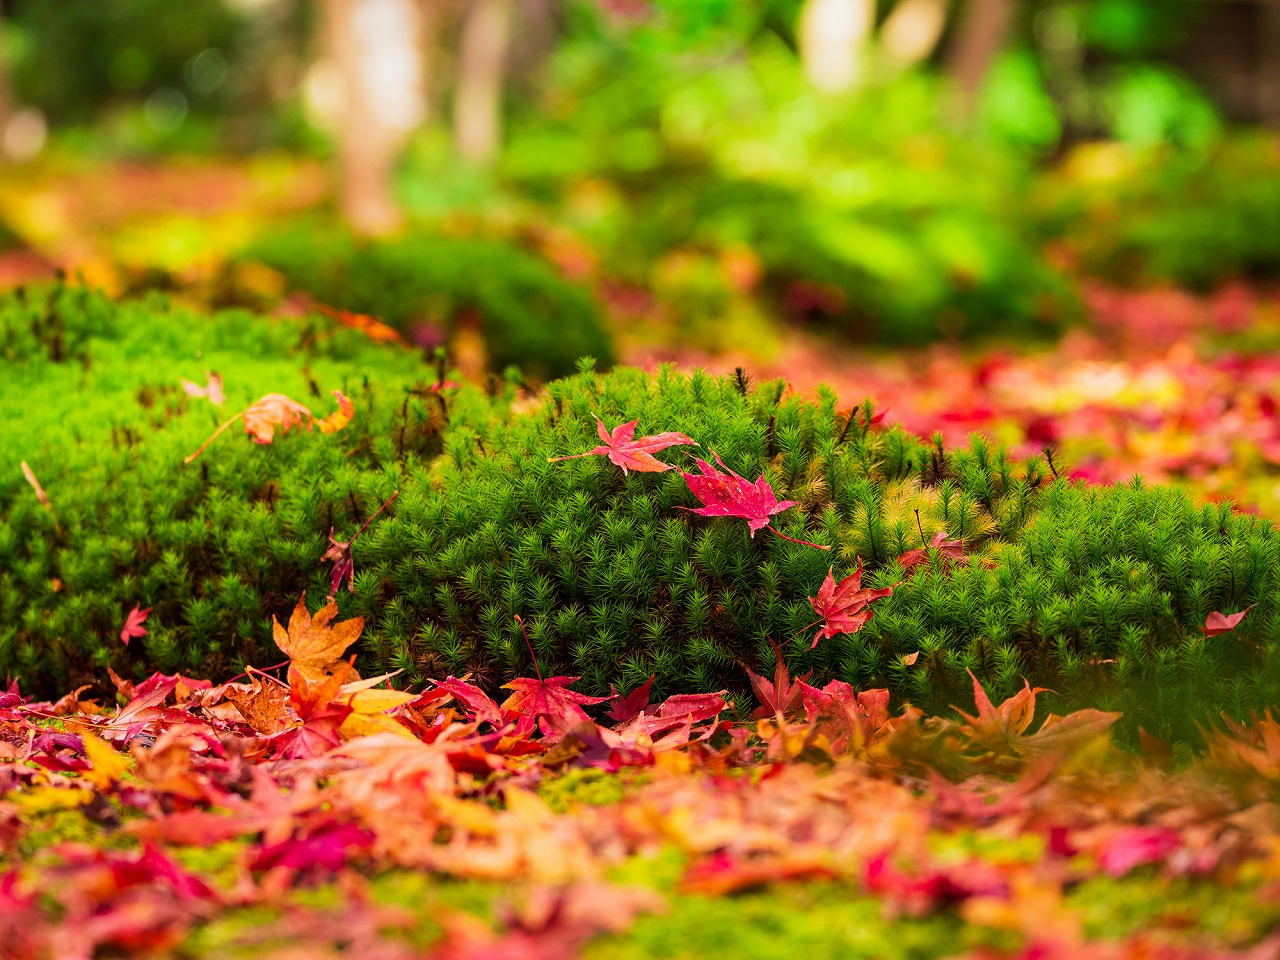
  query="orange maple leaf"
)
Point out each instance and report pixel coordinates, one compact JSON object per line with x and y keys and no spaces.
{"x":315,"y":648}
{"x":262,"y":417}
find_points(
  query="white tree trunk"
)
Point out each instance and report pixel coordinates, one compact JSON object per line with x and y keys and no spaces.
{"x":912,"y":30}
{"x":482,"y":59}
{"x":832,"y":36}
{"x":376,"y":46}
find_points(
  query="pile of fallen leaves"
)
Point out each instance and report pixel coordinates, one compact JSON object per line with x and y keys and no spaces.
{"x":321,"y":813}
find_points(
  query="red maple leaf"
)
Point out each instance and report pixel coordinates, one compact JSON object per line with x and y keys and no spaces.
{"x":550,"y":702}
{"x":844,"y":607}
{"x":782,"y":696}
{"x":631,"y":454}
{"x":133,"y":624}
{"x":952,"y":551}
{"x":730,"y":495}
{"x":1217,"y":623}
{"x":482,"y":708}
{"x":339,"y":553}
{"x":623,"y":708}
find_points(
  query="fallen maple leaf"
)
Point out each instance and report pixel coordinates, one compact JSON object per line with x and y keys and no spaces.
{"x":483,"y":708}
{"x":326,"y":846}
{"x":313,"y":647}
{"x":339,"y":418}
{"x":213,"y":391}
{"x":372,"y":327}
{"x":730,"y":495}
{"x":844,"y":607}
{"x":624,"y":708}
{"x":952,"y":551}
{"x":1006,"y":722}
{"x":628,"y":453}
{"x":133,"y":624}
{"x":780,"y":697}
{"x":262,"y":417}
{"x":1217,"y":623}
{"x":339,"y":554}
{"x":550,"y":702}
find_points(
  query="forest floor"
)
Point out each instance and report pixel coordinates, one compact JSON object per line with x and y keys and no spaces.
{"x":303,"y":813}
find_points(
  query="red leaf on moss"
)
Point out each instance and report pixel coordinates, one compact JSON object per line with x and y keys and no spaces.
{"x":952,"y":551}
{"x":631,"y":454}
{"x":729,"y":495}
{"x":550,"y":702}
{"x":782,"y":696}
{"x":133,"y":624}
{"x":1217,"y":623}
{"x":844,"y":607}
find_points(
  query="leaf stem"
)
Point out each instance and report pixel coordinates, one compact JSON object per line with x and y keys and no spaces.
{"x":529,"y":644}
{"x":803,"y":543}
{"x":217,"y":433}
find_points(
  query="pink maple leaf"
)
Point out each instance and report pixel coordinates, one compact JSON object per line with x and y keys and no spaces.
{"x":631,"y":454}
{"x":730,"y":495}
{"x":1217,"y":623}
{"x":133,"y":624}
{"x":844,"y":607}
{"x":325,"y":846}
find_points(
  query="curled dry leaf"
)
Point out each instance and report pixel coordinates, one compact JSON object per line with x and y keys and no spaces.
{"x":275,"y":410}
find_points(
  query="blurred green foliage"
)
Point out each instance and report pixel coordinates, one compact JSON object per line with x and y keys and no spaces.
{"x":529,"y":316}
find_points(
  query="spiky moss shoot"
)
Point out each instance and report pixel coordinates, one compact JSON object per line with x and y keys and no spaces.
{"x":1097,"y":593}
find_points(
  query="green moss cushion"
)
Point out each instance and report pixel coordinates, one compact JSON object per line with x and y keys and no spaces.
{"x":1098,"y":593}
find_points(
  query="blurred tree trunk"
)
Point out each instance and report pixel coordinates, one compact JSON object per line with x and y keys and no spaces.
{"x":6,"y":96}
{"x":831,"y":34}
{"x":1269,"y":81}
{"x":982,"y":35}
{"x":376,"y":46}
{"x":482,"y":60}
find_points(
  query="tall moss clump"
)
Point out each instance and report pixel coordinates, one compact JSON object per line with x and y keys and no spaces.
{"x":1096,"y":592}
{"x":529,"y":316}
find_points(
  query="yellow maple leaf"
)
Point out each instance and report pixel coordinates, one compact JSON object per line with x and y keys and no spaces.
{"x":313,"y":647}
{"x":108,"y":763}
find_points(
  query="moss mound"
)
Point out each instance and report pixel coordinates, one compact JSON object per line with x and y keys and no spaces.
{"x":1098,"y":593}
{"x":529,"y":315}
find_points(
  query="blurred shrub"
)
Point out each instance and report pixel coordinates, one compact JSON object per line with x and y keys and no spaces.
{"x":864,"y":213}
{"x":529,"y":316}
{"x":1196,"y":218}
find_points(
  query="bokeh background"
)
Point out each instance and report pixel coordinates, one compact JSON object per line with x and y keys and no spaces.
{"x":1053,"y":221}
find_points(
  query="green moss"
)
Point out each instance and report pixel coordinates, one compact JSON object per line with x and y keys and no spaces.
{"x":1098,"y":593}
{"x":816,"y":921}
{"x":71,"y":825}
{"x":589,"y":786}
{"x":530,"y":316}
{"x":1231,"y":913}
